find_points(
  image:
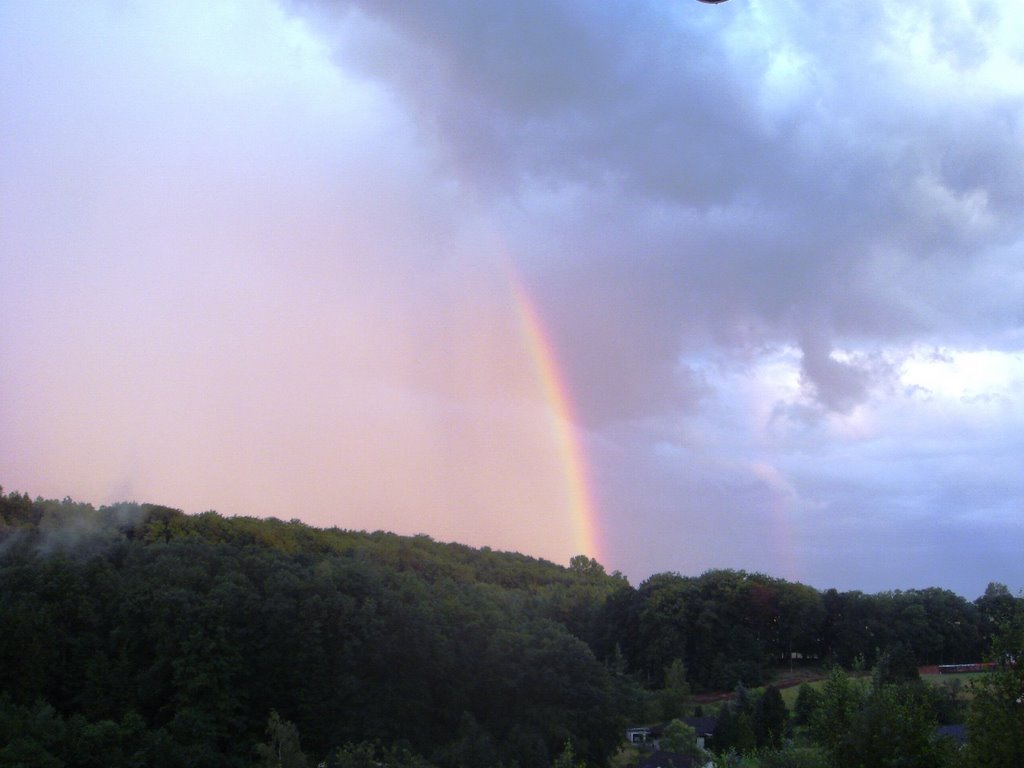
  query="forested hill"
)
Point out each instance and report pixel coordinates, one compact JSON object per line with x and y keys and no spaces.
{"x":70,"y":526}
{"x":138,"y":635}
{"x":177,"y":636}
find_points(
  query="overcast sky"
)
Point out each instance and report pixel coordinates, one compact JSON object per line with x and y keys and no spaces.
{"x":272,"y":257}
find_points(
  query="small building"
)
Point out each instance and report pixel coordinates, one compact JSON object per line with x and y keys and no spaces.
{"x":640,"y":734}
{"x":650,"y":734}
{"x":705,"y":728}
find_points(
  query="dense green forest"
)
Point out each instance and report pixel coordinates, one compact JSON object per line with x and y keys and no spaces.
{"x":137,"y":635}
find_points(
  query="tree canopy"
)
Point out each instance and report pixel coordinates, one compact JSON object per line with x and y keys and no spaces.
{"x":136,"y":634}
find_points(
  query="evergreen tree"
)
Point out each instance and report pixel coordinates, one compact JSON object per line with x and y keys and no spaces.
{"x":568,"y":759}
{"x":770,"y":718}
{"x":746,"y":736}
{"x":724,"y":737}
{"x":675,"y":696}
{"x":808,"y":699}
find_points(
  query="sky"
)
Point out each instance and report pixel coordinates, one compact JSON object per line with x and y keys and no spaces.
{"x":674,"y":285}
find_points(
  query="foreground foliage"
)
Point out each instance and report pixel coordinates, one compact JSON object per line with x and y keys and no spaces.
{"x":136,"y":635}
{"x":996,"y":722}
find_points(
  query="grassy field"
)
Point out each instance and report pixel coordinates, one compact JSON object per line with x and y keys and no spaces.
{"x":963,"y":677}
{"x":789,"y":683}
{"x":789,"y":694}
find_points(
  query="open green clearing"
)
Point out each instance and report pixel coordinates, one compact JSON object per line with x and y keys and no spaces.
{"x":963,"y":677}
{"x":789,"y":694}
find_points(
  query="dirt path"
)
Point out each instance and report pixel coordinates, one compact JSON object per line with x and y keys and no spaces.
{"x":786,"y":680}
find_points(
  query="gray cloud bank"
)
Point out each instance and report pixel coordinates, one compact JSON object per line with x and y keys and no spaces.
{"x":695,"y":189}
{"x":745,"y":174}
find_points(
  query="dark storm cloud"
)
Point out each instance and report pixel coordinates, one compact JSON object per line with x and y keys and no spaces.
{"x":560,"y":91}
{"x":794,"y":171}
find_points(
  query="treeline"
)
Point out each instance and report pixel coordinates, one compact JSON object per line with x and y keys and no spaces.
{"x":730,"y":626}
{"x":138,"y":635}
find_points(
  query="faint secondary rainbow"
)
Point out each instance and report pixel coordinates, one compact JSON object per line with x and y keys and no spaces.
{"x":553,"y":387}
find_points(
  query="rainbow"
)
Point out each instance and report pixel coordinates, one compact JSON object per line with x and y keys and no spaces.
{"x":555,"y":393}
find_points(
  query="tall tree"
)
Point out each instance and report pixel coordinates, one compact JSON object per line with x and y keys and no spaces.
{"x":680,"y":738}
{"x":661,"y":625}
{"x":282,"y":749}
{"x":808,"y":699}
{"x":675,"y":695}
{"x":995,"y":726}
{"x":833,"y":720}
{"x":770,"y":718}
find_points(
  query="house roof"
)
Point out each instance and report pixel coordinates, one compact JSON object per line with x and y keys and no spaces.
{"x":956,"y":732}
{"x":704,"y":726}
{"x":661,"y":759}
